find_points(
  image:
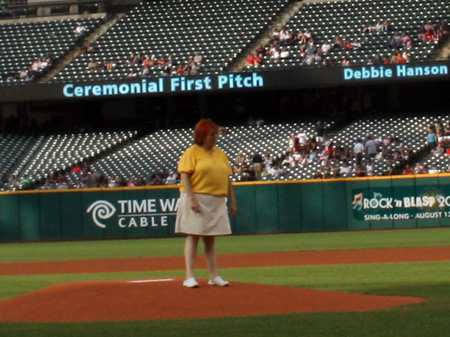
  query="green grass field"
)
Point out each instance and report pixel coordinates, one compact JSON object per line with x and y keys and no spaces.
{"x":430,"y":280}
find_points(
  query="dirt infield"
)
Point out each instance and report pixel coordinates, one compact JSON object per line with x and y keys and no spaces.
{"x":301,"y":258}
{"x":129,"y":300}
{"x":167,"y":299}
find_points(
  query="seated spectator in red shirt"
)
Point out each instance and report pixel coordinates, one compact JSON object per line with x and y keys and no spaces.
{"x":161,"y":61}
{"x":258,"y":60}
{"x":428,"y":36}
{"x":251,"y":59}
{"x":408,"y":169}
{"x":348,"y":45}
{"x":397,"y":58}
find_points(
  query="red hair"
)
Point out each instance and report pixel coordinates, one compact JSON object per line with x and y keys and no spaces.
{"x":202,"y":129}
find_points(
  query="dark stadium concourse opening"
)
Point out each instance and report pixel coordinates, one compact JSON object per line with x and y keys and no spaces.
{"x":151,"y":113}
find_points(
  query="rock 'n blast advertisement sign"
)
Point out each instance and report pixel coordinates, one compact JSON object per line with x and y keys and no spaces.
{"x":373,"y":205}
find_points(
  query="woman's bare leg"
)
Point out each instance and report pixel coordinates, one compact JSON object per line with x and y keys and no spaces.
{"x":190,"y":253}
{"x":210,"y":255}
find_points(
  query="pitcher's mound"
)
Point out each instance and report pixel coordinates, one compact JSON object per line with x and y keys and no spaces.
{"x":167,"y":299}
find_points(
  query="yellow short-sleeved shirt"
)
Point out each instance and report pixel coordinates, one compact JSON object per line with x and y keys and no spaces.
{"x":208,"y":174}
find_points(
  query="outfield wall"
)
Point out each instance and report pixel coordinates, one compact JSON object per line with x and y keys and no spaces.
{"x":269,"y":207}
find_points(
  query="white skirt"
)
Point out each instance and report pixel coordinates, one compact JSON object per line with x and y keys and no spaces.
{"x":212,"y":220}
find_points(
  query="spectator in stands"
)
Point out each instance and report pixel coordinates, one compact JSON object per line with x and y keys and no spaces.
{"x":173,"y":178}
{"x":80,"y":34}
{"x":406,"y":55}
{"x":88,"y":48}
{"x":408,"y":170}
{"x":320,"y":132}
{"x":10,"y":76}
{"x":145,"y":72}
{"x":112,"y":182}
{"x":284,"y":36}
{"x":198,"y":58}
{"x":257,"y":163}
{"x":251,"y":60}
{"x":345,"y":170}
{"x":377,"y":61}
{"x":109,"y":65}
{"x":131,"y":182}
{"x":370,"y":170}
{"x":371,"y":147}
{"x":133,"y":59}
{"x":429,"y":27}
{"x":23,"y":75}
{"x":356,"y":44}
{"x":345,"y":62}
{"x":307,"y":36}
{"x":258,"y":60}
{"x":161,"y":62}
{"x":291,"y":143}
{"x":406,"y":40}
{"x":275,"y":56}
{"x":277,"y":171}
{"x":93,"y":65}
{"x":284,"y":53}
{"x":359,"y":171}
{"x":275,"y":36}
{"x":396,"y":41}
{"x":377,"y":28}
{"x":302,"y":138}
{"x":387,"y":27}
{"x":338,"y":43}
{"x":50,"y":182}
{"x":133,"y":73}
{"x":431,"y":137}
{"x":261,"y":50}
{"x":195,"y":68}
{"x":62,"y":182}
{"x":432,"y":169}
{"x":358,"y":151}
{"x":310,"y":47}
{"x":326,"y":47}
{"x":397,"y":58}
{"x":439,"y":149}
{"x":419,"y":168}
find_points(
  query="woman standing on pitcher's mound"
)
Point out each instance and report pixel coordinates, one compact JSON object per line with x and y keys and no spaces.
{"x":205,"y":183}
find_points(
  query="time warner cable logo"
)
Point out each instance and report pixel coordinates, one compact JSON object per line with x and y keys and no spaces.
{"x":103,"y":210}
{"x":134,"y":213}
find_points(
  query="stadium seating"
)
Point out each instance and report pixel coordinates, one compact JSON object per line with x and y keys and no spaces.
{"x":23,"y":42}
{"x":126,"y":154}
{"x":60,"y":152}
{"x":13,"y":146}
{"x":331,"y":19}
{"x":218,"y":30}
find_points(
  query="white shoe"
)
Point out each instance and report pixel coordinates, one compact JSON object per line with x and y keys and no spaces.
{"x":191,"y":282}
{"x":218,"y":281}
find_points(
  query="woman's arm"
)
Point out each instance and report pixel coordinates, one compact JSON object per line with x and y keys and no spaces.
{"x":186,"y":181}
{"x":233,"y":206}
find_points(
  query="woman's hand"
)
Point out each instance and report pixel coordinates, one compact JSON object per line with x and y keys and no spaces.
{"x":233,"y":208}
{"x":195,"y":206}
